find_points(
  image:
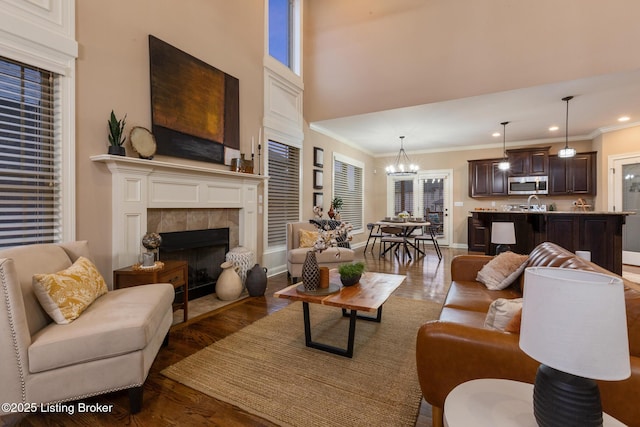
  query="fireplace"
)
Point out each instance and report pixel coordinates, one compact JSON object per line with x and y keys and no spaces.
{"x":204,"y":250}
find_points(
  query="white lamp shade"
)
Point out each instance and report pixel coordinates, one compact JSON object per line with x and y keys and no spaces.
{"x":503,"y":233}
{"x":575,"y":321}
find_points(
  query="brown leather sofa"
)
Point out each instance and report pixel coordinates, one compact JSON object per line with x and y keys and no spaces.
{"x":456,"y":348}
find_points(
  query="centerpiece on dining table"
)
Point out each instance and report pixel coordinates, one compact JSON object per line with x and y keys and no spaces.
{"x":331,"y":233}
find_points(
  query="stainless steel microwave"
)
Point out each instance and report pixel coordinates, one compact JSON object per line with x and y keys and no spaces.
{"x":528,"y":185}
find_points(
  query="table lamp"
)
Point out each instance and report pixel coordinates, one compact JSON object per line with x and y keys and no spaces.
{"x":574,"y":323}
{"x":503,"y":234}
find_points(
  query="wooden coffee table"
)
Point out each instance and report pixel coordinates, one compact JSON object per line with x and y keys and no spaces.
{"x":369,"y":295}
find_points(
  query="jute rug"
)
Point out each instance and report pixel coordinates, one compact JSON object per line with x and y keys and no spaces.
{"x":267,"y":370}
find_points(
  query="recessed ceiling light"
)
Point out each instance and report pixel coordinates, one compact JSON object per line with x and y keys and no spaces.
{"x":624,"y":119}
{"x":495,"y":134}
{"x":554,"y":128}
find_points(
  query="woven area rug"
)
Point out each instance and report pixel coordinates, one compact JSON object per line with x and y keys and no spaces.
{"x":267,"y":370}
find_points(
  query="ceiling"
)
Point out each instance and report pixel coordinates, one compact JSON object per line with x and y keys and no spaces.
{"x":461,"y":123}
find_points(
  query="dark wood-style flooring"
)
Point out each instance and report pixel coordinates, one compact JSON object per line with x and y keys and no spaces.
{"x":168,"y":403}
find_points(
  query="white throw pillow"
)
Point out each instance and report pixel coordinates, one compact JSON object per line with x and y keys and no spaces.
{"x":501,"y":311}
{"x":502,"y":270}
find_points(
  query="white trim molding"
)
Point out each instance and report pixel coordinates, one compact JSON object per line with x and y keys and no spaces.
{"x":138,"y":185}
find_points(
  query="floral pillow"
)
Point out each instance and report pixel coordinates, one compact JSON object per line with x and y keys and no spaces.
{"x":66,"y":294}
{"x":502,"y":270}
{"x":307,"y":238}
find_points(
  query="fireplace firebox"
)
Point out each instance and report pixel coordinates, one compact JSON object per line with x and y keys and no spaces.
{"x":204,"y":251}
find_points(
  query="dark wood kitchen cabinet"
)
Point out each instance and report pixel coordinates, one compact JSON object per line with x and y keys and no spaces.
{"x":485,"y":179}
{"x":528,"y":162}
{"x":573,"y":176}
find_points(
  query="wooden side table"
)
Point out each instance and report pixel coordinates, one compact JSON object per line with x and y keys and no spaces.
{"x":174,"y":272}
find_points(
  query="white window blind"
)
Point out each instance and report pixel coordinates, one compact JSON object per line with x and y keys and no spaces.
{"x":29,"y":156}
{"x":403,"y":192}
{"x":284,"y":190}
{"x":348,"y":185}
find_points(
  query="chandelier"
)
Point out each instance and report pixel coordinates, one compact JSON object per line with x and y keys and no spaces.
{"x":402,"y":165}
{"x":504,"y":164}
{"x":567,"y":151}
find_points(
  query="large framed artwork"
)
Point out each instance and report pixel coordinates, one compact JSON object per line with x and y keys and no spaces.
{"x":195,"y":108}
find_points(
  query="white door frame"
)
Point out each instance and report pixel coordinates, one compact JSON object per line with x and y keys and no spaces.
{"x":447,"y":174}
{"x":615,"y":194}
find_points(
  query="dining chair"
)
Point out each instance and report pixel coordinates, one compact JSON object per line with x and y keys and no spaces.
{"x":394,"y":236}
{"x":374,"y":233}
{"x":428,"y":233}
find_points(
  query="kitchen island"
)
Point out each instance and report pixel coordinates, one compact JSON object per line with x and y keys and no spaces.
{"x":597,"y":232}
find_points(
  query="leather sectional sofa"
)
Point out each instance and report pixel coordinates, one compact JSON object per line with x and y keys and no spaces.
{"x":457,"y":348}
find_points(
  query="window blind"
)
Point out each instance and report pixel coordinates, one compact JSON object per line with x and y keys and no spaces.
{"x":29,"y":159}
{"x":347,"y":184}
{"x":284,"y":191}
{"x":403,"y":201}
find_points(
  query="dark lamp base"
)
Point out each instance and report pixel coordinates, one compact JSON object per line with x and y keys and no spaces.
{"x":563,"y":400}
{"x":502,"y":248}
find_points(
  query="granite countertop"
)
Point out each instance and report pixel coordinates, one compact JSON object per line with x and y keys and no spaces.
{"x":576,"y":212}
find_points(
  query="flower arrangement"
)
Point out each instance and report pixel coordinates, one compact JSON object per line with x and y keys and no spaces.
{"x":328,"y":236}
{"x":404,"y":215}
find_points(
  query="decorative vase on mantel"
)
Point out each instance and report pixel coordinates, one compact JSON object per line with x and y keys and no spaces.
{"x":311,"y":272}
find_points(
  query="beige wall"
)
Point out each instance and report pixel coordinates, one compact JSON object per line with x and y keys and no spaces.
{"x":621,"y":142}
{"x":371,"y":55}
{"x":457,"y":160}
{"x":373,"y":194}
{"x":113,"y":73}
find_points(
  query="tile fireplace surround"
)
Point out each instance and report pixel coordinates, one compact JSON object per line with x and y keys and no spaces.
{"x":140,"y":185}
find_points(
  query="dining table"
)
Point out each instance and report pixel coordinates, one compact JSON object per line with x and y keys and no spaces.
{"x":407,"y":226}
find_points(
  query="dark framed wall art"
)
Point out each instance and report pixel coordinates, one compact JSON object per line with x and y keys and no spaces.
{"x":195,"y":107}
{"x":317,"y":179}
{"x":318,"y":157}
{"x":318,"y":199}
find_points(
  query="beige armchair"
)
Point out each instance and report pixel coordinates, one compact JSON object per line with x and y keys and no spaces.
{"x":296,"y":255}
{"x":110,"y":347}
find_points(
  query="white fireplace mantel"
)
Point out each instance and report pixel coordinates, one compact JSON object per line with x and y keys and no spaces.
{"x":140,"y":184}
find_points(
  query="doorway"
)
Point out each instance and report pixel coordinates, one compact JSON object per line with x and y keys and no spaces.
{"x":626,"y":197}
{"x":427,"y":195}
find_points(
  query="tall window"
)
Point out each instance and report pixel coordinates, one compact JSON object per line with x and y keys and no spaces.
{"x":348,"y":185}
{"x":284,"y":190}
{"x":403,"y":197}
{"x":281,"y":30}
{"x":29,"y":156}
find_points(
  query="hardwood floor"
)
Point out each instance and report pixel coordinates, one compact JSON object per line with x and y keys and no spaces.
{"x":167,"y":403}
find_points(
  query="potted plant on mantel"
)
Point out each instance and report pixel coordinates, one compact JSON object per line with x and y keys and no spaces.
{"x":116,"y":135}
{"x":350,"y":274}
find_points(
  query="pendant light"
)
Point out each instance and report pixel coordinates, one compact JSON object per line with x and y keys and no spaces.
{"x":567,"y":151}
{"x":504,"y":164}
{"x":402,"y":165}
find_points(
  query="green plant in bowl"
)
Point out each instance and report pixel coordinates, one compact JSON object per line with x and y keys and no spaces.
{"x":350,"y":273}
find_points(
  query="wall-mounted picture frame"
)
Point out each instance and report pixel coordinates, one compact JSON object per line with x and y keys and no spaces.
{"x":317,"y":179}
{"x":318,"y":157}
{"x":318,"y":199}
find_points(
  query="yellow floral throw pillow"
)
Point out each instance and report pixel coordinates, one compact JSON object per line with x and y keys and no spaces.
{"x":307,"y":238}
{"x":66,"y":294}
